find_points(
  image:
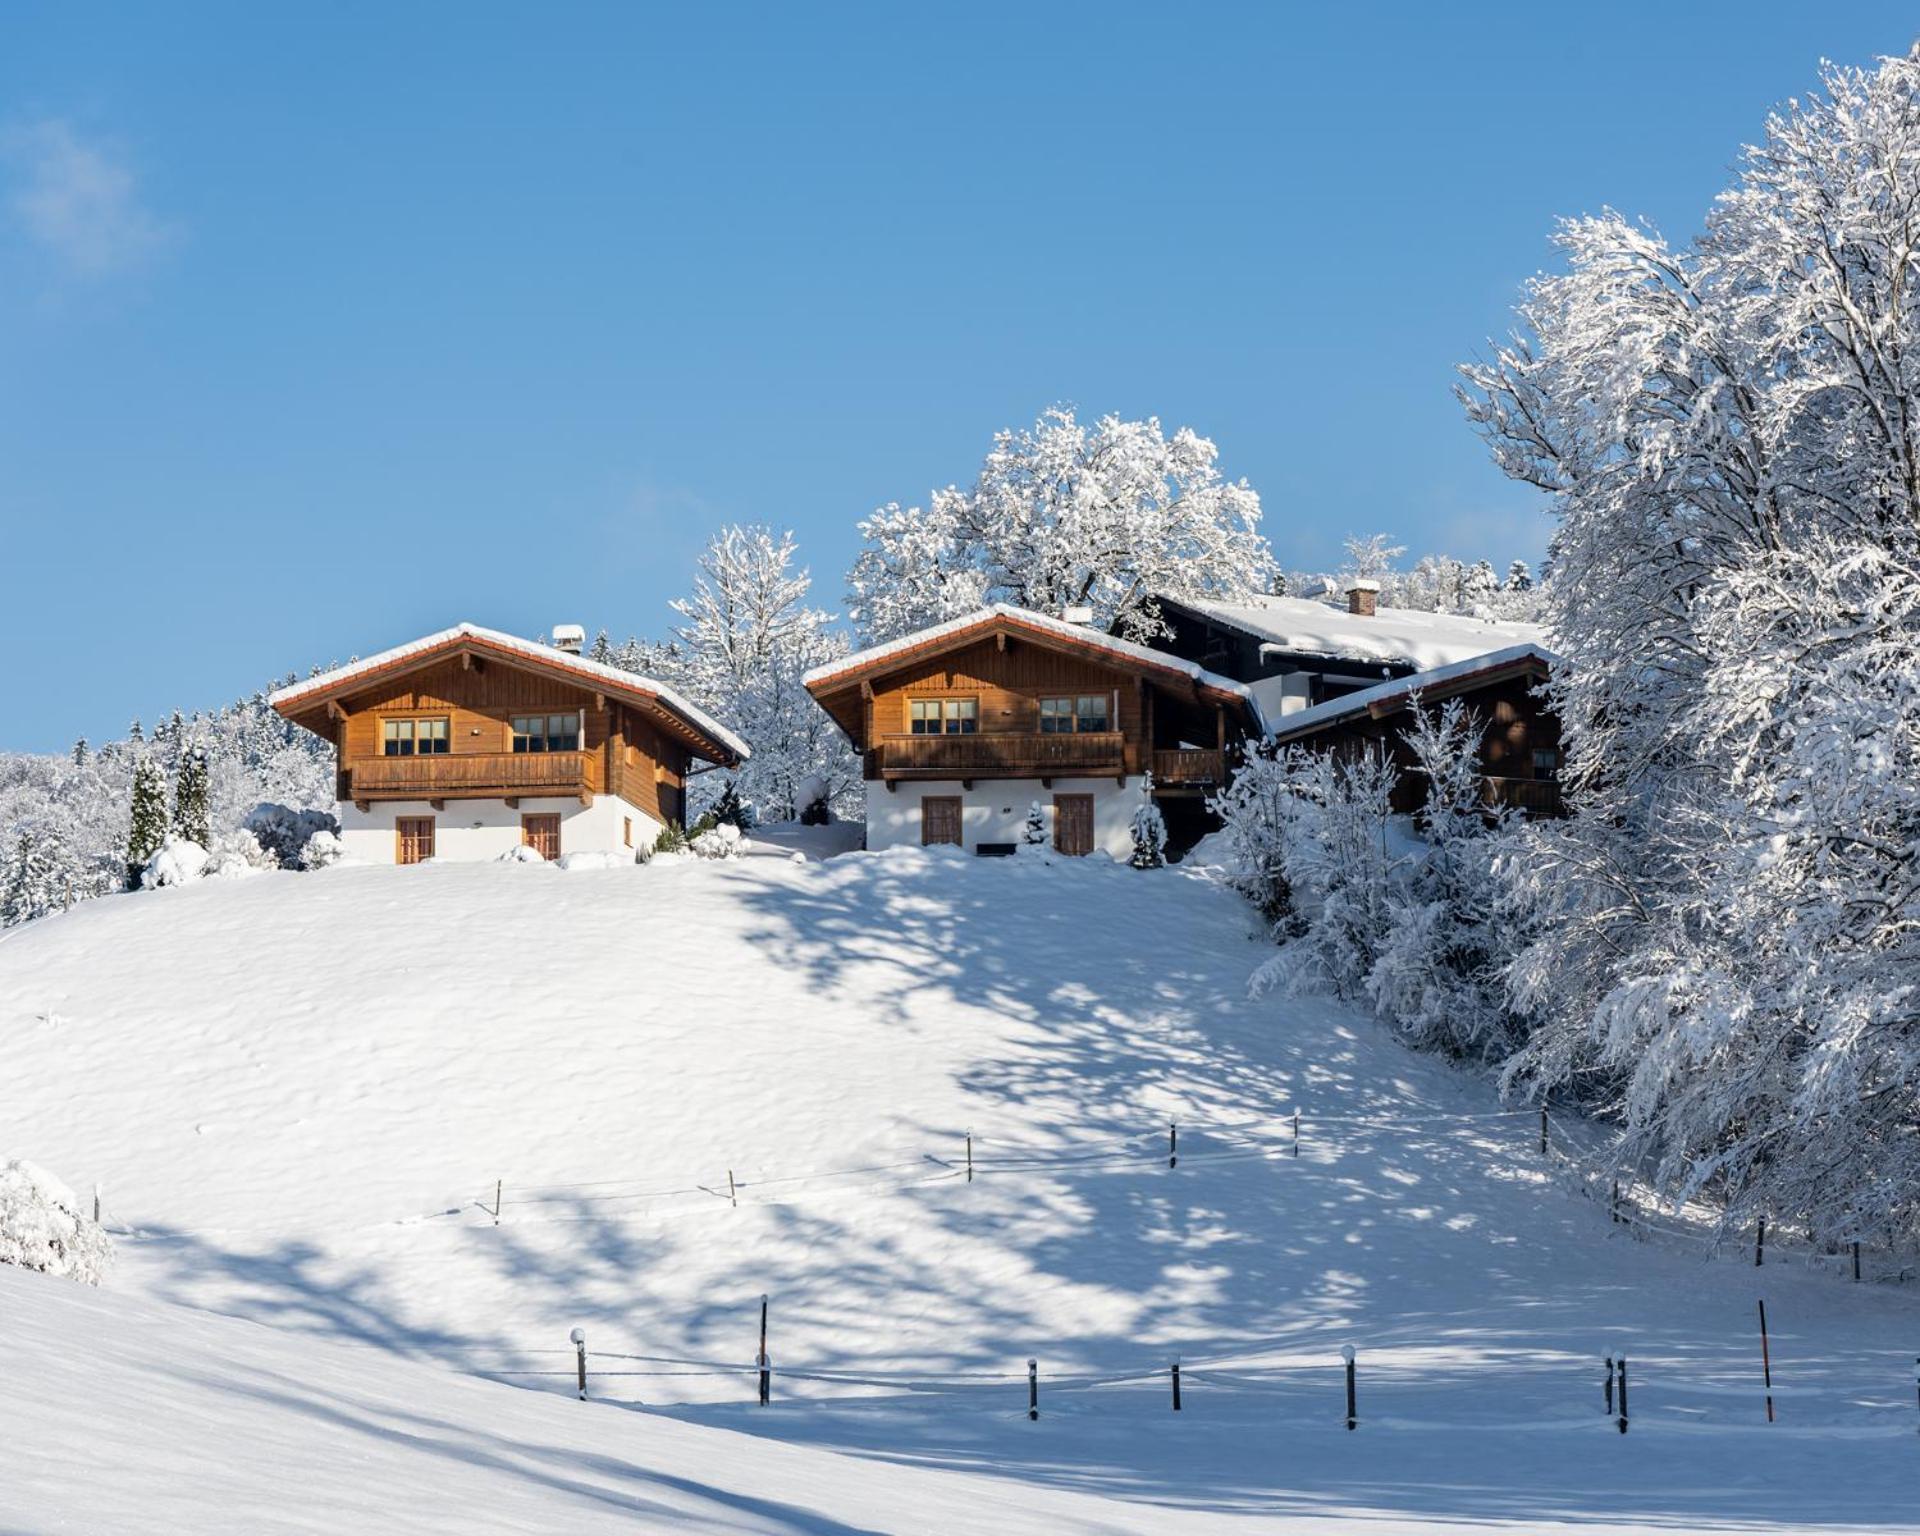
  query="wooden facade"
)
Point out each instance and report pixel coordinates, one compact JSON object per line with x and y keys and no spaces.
{"x":1030,"y":702}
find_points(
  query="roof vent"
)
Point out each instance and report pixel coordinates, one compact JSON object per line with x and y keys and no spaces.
{"x":1363,"y":597}
{"x":1077,"y":615}
{"x":569,"y":638}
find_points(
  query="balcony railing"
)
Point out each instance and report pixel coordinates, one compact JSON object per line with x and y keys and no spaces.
{"x":469,"y":776}
{"x":1188,"y":767}
{"x":1537,"y":797}
{"x":999,"y":754}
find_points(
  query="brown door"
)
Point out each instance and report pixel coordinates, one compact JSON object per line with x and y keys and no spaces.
{"x":1073,"y":824}
{"x":940,"y":819}
{"x":413,"y":836}
{"x":541,"y":834}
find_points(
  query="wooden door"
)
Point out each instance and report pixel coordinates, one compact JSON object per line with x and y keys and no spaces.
{"x":1073,"y":824}
{"x":940,"y":820}
{"x":413,"y":839}
{"x":541,"y":834}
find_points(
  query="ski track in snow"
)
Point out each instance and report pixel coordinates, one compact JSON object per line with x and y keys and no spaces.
{"x":298,"y":1092}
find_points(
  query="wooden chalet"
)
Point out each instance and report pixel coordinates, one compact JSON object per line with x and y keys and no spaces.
{"x":962,"y":727}
{"x":469,"y":743}
{"x":1520,"y":738}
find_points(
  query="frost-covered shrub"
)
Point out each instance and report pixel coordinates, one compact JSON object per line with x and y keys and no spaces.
{"x":721,"y":841}
{"x":44,"y":1227}
{"x":237,"y":854}
{"x":1149,"y":837}
{"x":1439,"y":977}
{"x":322,"y":849}
{"x":521,"y":853}
{"x":285,"y":833}
{"x":672,"y":839}
{"x":814,"y":801}
{"x":177,"y":861}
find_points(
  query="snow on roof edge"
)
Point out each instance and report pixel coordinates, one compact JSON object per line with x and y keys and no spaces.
{"x":1304,"y":720}
{"x":1396,"y":635}
{"x":533,"y":650}
{"x":1128,"y":648}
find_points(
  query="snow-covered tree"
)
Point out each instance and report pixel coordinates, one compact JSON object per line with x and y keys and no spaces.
{"x":1479,"y":585}
{"x":192,"y":812}
{"x":1033,"y":831}
{"x":1066,"y":515}
{"x":1519,"y":577}
{"x":746,"y":639}
{"x":1729,"y":927}
{"x":42,"y":874}
{"x":44,"y":1227}
{"x":1370,"y":557}
{"x":149,"y":823}
{"x":1439,"y":974}
{"x":1149,"y":837}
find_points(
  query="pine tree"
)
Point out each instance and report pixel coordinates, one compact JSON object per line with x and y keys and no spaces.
{"x":1519,"y":577}
{"x":192,"y":816}
{"x":148,"y":827}
{"x":1149,"y":837}
{"x":1034,"y":833}
{"x":80,"y":753}
{"x":729,"y":809}
{"x":134,"y":733}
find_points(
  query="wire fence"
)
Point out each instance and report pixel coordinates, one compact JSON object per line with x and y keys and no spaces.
{"x":967,"y":1157}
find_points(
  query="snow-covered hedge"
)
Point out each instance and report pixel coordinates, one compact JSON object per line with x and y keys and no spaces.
{"x":285,"y":833}
{"x":177,"y":861}
{"x":723,"y":841}
{"x":44,"y":1227}
{"x":322,"y":849}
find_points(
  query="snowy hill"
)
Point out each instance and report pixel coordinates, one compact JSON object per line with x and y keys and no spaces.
{"x":298,"y":1092}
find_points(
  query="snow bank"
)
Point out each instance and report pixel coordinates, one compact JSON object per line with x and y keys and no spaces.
{"x":44,"y":1227}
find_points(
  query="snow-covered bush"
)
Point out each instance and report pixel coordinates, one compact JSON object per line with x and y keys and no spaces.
{"x":322,"y":849}
{"x":44,"y":1227}
{"x":720,"y":841}
{"x":236,"y":854}
{"x":814,"y":800}
{"x":177,"y":861}
{"x":521,"y":853}
{"x":1439,"y":975}
{"x":1149,"y":837}
{"x":285,"y":832}
{"x":672,"y":839}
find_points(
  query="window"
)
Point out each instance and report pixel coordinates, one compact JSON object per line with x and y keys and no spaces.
{"x":945,"y":717}
{"x":413,"y":839}
{"x":546,"y":733}
{"x":1546,"y":762}
{"x":626,"y":830}
{"x":1087,"y":712}
{"x":413,"y":738}
{"x":541,"y":834}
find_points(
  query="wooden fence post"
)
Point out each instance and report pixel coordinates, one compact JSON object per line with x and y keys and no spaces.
{"x":1760,"y":1242}
{"x":1176,"y":1383}
{"x":579,"y":1338}
{"x":498,"y":1186}
{"x":1033,"y":1389}
{"x":1296,"y":1133}
{"x":1543,"y":1130}
{"x":969,"y":1156}
{"x":1346,"y":1354}
{"x":1621,"y":1364}
{"x":1609,"y":1391}
{"x":766,"y":1366}
{"x":1766,"y":1361}
{"x":1173,"y":1144}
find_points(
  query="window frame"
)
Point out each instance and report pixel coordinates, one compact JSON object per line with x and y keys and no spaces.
{"x":959,"y":715}
{"x":546,"y":738}
{"x":412,"y":738}
{"x":1067,"y":721}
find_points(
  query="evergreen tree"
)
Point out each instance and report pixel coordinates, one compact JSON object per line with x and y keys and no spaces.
{"x":148,"y":825}
{"x":1519,"y":577}
{"x":1034,"y":833}
{"x":192,"y":815}
{"x":729,"y":808}
{"x":1149,"y":837}
{"x":80,"y":753}
{"x":134,"y":733}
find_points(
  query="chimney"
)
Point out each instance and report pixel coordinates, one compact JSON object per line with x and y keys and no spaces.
{"x":1363,"y":597}
{"x":1077,"y":615}
{"x":569,"y":638}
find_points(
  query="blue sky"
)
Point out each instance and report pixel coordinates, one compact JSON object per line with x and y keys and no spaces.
{"x":323,"y":327}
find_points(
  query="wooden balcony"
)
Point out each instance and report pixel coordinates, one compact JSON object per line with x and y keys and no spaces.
{"x":1189,"y":768}
{"x":1000,"y":755}
{"x":1536,"y":797}
{"x":469,"y":776}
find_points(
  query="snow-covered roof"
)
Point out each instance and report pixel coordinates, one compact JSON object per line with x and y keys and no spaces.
{"x":613,"y":679}
{"x":1398,"y":692}
{"x":1078,"y":634}
{"x":1397,"y":636}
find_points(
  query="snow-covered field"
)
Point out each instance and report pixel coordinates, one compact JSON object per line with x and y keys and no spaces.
{"x":298,"y":1091}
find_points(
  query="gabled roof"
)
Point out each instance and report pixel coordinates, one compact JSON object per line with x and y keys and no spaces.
{"x":1043,"y":628}
{"x":724,"y":747}
{"x":1409,"y":637}
{"x":1399,"y":693}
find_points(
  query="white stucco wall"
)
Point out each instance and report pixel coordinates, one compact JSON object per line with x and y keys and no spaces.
{"x":470,"y":831}
{"x":995,"y":810}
